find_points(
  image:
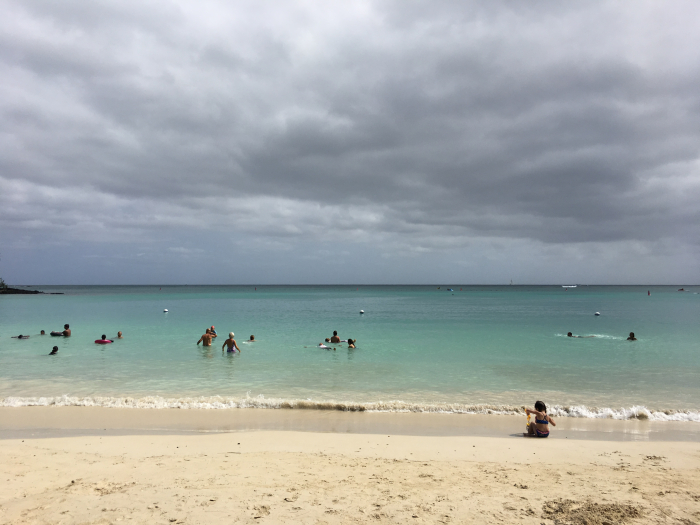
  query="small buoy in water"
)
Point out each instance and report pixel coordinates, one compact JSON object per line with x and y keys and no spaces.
{"x":597,"y":313}
{"x":165,"y":311}
{"x":361,"y":312}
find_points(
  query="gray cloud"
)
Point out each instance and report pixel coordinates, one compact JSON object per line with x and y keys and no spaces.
{"x":405,"y":130}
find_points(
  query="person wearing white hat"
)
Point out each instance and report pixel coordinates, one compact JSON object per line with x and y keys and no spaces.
{"x":231,"y":343}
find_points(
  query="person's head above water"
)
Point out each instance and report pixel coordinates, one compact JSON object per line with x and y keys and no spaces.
{"x":104,"y":337}
{"x":252,"y":338}
{"x":43,"y":333}
{"x":540,"y":407}
{"x":54,"y":351}
{"x":66,"y":326}
{"x":119,"y":335}
{"x":569,"y":334}
{"x":335,"y":332}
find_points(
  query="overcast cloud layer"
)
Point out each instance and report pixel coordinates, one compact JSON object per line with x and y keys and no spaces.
{"x":349,"y":142}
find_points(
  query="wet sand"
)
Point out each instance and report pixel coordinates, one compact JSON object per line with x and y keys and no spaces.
{"x":59,"y":466}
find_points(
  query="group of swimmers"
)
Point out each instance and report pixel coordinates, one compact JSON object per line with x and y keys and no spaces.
{"x":66,"y":332}
{"x":63,"y":333}
{"x":230,"y":343}
{"x":630,"y":338}
{"x":336,"y":339}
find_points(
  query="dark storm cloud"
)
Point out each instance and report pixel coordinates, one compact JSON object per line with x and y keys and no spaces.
{"x":415,"y":126}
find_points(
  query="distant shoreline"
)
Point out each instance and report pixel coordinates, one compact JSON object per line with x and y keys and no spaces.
{"x":16,"y":291}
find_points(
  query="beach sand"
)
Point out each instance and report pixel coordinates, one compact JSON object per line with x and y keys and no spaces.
{"x":63,"y":475}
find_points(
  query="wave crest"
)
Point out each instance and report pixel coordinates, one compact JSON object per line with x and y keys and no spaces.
{"x":223,"y":403}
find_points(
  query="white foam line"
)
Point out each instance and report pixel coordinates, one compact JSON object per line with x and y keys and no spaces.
{"x":221,"y":403}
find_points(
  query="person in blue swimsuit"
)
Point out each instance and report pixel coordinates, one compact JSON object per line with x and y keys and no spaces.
{"x":540,"y":427}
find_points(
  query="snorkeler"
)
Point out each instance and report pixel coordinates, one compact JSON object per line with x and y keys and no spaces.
{"x":578,"y":336}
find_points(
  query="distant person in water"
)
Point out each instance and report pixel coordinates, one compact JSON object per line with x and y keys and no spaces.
{"x":351,"y":343}
{"x":206,"y":338}
{"x":54,"y":351}
{"x":20,"y":336}
{"x":213,"y":332}
{"x":42,"y":333}
{"x":231,"y":344}
{"x":104,"y":339}
{"x":65,"y":333}
{"x":252,"y":339}
{"x":578,"y":336}
{"x":631,"y":337}
{"x":335,"y":338}
{"x":119,"y":335}
{"x":540,"y":427}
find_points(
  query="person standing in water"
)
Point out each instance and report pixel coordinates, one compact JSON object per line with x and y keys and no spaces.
{"x":206,"y":338}
{"x":231,"y":343}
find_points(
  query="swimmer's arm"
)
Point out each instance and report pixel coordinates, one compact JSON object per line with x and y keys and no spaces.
{"x":222,"y":346}
{"x":236,"y":345}
{"x":200,"y":339}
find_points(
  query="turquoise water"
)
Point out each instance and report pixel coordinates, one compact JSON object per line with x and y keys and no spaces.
{"x":479,"y":348}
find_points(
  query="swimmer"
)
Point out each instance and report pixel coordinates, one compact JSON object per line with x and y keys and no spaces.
{"x":54,"y":351}
{"x":324,"y":347}
{"x":104,"y":339}
{"x":20,"y":336}
{"x":252,"y":339}
{"x":231,"y":343}
{"x":351,"y":343}
{"x":206,"y":338}
{"x":64,"y":333}
{"x":578,"y":336}
{"x":42,"y":333}
{"x":119,"y":335}
{"x":540,"y":427}
{"x":213,"y":332}
{"x":631,"y":337}
{"x":335,"y":338}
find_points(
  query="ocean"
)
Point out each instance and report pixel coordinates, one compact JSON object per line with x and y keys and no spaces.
{"x":437,"y":348}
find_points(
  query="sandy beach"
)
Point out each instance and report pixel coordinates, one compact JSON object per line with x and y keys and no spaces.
{"x":109,"y":475}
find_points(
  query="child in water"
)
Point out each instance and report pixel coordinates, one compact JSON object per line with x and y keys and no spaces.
{"x":540,"y":427}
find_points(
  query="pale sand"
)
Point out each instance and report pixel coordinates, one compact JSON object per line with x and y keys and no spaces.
{"x":278,"y":476}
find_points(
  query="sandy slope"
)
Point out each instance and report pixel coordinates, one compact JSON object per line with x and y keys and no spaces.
{"x":303,"y":477}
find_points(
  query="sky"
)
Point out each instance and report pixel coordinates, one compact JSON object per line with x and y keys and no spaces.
{"x":364,"y":142}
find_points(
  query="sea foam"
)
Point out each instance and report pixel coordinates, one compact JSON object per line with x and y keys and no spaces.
{"x":223,"y":403}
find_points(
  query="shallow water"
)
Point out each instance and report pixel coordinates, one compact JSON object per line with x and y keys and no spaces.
{"x":478,"y":348}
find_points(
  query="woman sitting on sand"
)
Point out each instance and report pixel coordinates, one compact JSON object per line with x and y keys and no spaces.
{"x":540,"y":428}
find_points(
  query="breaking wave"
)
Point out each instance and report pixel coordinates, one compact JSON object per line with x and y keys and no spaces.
{"x":223,"y":403}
